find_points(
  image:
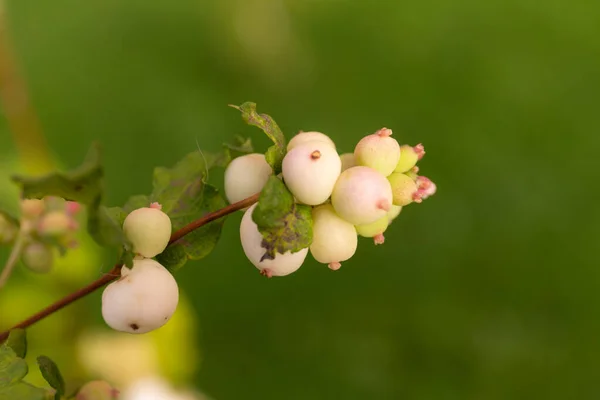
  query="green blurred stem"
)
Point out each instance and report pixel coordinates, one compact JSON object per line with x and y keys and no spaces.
{"x":12,"y":259}
{"x":116,"y":271}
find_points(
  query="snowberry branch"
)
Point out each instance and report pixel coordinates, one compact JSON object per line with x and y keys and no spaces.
{"x":114,"y":273}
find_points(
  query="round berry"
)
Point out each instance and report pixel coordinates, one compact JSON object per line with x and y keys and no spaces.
{"x":393,"y":213}
{"x":148,"y":229}
{"x":55,"y":224}
{"x":378,"y":151}
{"x":246,"y":176}
{"x":97,"y":390}
{"x":305,"y":137}
{"x":409,"y":156}
{"x":334,"y":239}
{"x":403,"y":188}
{"x":38,"y":257}
{"x":310,"y":171}
{"x":251,"y":238}
{"x":374,"y":229}
{"x":32,"y":208}
{"x":142,"y":300}
{"x":348,"y":161}
{"x":361,"y":195}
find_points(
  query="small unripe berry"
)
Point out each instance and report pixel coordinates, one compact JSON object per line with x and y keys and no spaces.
{"x":334,"y":239}
{"x":38,"y":257}
{"x":56,"y":224}
{"x":142,"y":300}
{"x":8,"y":230}
{"x":348,"y":161}
{"x":409,"y":156}
{"x":310,"y":171}
{"x":97,"y":390}
{"x":393,"y":213}
{"x":148,"y":229}
{"x":306,"y":137}
{"x":403,"y":188}
{"x":374,"y":229}
{"x":378,"y":151}
{"x":251,"y":238}
{"x":361,"y":195}
{"x":246,"y":176}
{"x":32,"y":208}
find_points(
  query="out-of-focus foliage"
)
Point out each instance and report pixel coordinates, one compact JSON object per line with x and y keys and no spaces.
{"x":489,"y":290}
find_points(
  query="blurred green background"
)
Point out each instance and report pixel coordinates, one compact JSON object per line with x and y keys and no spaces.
{"x":489,"y":290}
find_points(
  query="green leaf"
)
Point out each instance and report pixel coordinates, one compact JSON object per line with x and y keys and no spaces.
{"x":25,"y":391}
{"x":285,"y":225}
{"x":83,"y":184}
{"x":275,"y":153}
{"x":52,"y":375}
{"x":12,"y":368}
{"x":236,"y":148}
{"x":185,"y":197}
{"x":17,"y":341}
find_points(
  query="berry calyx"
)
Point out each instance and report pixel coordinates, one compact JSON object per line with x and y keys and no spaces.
{"x":310,"y":171}
{"x":425,"y":188}
{"x":378,"y":151}
{"x":38,"y":257}
{"x":374,"y":230}
{"x":404,"y":189}
{"x":409,"y":156}
{"x":142,"y":300}
{"x":361,"y":195}
{"x":251,"y":239}
{"x":334,"y":239}
{"x":148,"y":229}
{"x":245,"y":176}
{"x":306,"y":137}
{"x":97,"y":390}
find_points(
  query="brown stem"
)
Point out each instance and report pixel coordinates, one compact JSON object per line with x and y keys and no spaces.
{"x":116,"y":271}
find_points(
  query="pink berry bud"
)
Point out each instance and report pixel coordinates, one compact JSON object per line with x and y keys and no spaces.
{"x":72,"y":207}
{"x":97,"y":390}
{"x":155,"y":205}
{"x":425,"y":189}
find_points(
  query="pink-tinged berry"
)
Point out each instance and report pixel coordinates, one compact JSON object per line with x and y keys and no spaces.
{"x":55,"y":224}
{"x":361,"y":195}
{"x":310,"y":171}
{"x":307,"y":137}
{"x":148,"y":229}
{"x":425,"y":188}
{"x":38,"y":257}
{"x":97,"y":390}
{"x":409,"y":156}
{"x":334,"y":239}
{"x":374,"y":230}
{"x":251,"y":238}
{"x":72,"y":207}
{"x":8,"y":230}
{"x":245,"y":176}
{"x":32,"y":208}
{"x":403,"y":188}
{"x":378,"y":151}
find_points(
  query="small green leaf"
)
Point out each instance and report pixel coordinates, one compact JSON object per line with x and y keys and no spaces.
{"x":12,"y":368}
{"x":285,"y":225}
{"x":25,"y":391}
{"x":52,"y":375}
{"x":275,"y":153}
{"x":17,"y":340}
{"x":236,"y":148}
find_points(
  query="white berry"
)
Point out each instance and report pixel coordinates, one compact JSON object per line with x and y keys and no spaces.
{"x":148,"y":229}
{"x":334,"y":239}
{"x":142,"y":300}
{"x":378,"y":151}
{"x":246,"y":176}
{"x":374,"y":229}
{"x":305,"y":137}
{"x":251,"y":238}
{"x":310,"y":171}
{"x":361,"y":195}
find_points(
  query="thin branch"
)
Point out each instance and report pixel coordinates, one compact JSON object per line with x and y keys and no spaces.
{"x":116,"y":271}
{"x":12,"y":259}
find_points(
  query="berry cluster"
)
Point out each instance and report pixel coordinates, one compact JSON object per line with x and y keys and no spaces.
{"x":354,"y":194}
{"x":146,"y":295}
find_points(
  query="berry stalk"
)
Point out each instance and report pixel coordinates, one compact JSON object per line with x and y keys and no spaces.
{"x":12,"y":259}
{"x":116,"y":271}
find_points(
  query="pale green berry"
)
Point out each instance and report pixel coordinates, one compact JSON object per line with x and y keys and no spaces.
{"x":409,"y":156}
{"x":393,"y":213}
{"x":310,"y":171}
{"x":251,"y":238}
{"x":8,"y":229}
{"x":361,"y":195}
{"x":378,"y":151}
{"x":32,"y":208}
{"x":334,"y":239}
{"x":403,"y":188}
{"x":142,"y":300}
{"x":38,"y":257}
{"x":374,"y":230}
{"x":148,"y":229}
{"x":55,"y":224}
{"x":348,"y":161}
{"x":306,"y":137}
{"x":97,"y":390}
{"x":246,"y":176}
